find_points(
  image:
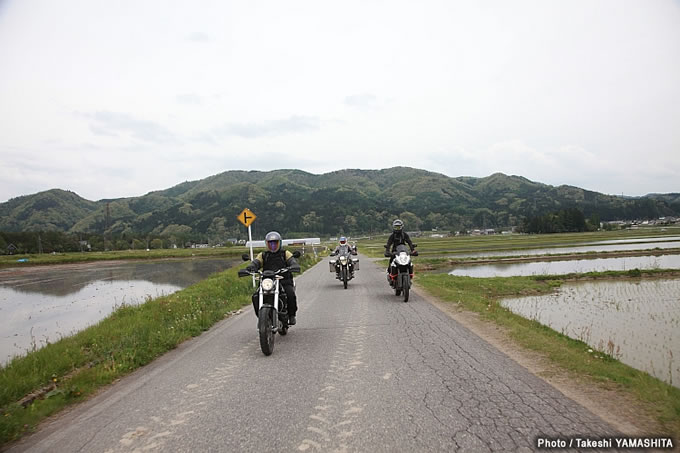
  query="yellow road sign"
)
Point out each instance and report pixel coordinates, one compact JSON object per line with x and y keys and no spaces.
{"x":246,"y":217}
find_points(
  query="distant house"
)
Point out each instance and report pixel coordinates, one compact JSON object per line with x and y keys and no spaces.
{"x":11,"y":249}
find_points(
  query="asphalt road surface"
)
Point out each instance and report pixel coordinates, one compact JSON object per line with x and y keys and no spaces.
{"x":361,"y":371}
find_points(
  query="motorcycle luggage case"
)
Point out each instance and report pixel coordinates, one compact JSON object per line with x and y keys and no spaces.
{"x":331,"y":265}
{"x":355,"y":261}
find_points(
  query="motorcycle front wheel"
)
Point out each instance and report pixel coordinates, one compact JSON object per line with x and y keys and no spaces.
{"x":344,"y":277}
{"x":265,"y":328}
{"x":283,"y":328}
{"x":406,"y":285}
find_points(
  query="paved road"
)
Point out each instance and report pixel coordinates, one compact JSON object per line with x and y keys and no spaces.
{"x":362,"y":371}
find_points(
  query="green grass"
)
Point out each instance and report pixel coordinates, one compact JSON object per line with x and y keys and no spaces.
{"x":75,"y":367}
{"x":483,"y":295}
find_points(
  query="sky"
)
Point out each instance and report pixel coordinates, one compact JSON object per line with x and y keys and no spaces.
{"x":117,"y":99}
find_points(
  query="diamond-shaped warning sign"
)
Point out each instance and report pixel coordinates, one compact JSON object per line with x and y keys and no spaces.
{"x":246,"y":217}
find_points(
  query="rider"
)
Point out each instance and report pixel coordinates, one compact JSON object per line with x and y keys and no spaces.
{"x":398,"y":237}
{"x":275,"y":258}
{"x":344,"y":248}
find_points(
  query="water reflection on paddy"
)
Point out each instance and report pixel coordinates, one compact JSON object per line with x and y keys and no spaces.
{"x":635,"y":322}
{"x":638,"y":240}
{"x":39,"y":305}
{"x":568,"y":266}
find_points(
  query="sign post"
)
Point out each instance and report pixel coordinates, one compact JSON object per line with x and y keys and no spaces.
{"x":246,"y":217}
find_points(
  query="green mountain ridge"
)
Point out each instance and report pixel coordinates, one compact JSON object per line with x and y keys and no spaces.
{"x":349,"y":201}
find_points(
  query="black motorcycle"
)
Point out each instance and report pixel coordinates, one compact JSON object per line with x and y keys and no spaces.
{"x":400,"y":271}
{"x":270,"y":303}
{"x":344,"y":266}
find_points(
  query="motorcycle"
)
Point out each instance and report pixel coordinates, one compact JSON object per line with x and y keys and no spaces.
{"x":344,"y":266}
{"x":271,"y":302}
{"x":400,"y":271}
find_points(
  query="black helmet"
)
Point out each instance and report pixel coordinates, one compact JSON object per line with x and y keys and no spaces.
{"x":273,"y":241}
{"x":397,"y":225}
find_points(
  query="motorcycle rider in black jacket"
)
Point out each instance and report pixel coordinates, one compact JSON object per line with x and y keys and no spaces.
{"x":398,"y":237}
{"x":275,"y":258}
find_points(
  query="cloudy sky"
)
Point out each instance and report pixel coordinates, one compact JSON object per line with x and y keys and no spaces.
{"x":118,"y":98}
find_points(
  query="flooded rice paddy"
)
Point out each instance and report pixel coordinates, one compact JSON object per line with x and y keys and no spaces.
{"x":636,"y":322}
{"x":561,"y":267}
{"x":39,"y":305}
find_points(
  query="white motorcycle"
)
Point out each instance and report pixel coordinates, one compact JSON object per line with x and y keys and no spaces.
{"x":401,"y":270}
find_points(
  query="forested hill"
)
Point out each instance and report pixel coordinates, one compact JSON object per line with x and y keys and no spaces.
{"x":341,"y":202}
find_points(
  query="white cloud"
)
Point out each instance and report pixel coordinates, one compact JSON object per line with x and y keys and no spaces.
{"x":114,"y":124}
{"x":270,"y":128}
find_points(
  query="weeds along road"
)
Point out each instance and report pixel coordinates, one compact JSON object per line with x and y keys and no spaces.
{"x":361,"y":371}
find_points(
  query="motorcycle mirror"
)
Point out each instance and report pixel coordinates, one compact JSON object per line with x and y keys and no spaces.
{"x":245,"y":257}
{"x":296,"y":254}
{"x":415,"y":245}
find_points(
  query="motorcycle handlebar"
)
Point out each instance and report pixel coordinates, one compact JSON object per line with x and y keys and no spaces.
{"x":391,"y":254}
{"x":283,"y":270}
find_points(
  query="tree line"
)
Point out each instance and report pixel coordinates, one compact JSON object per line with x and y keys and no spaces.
{"x":570,"y":220}
{"x":36,"y":242}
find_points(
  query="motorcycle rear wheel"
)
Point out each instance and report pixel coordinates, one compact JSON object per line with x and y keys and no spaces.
{"x":265,"y":328}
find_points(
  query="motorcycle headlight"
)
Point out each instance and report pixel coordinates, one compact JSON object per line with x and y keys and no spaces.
{"x":267,"y":284}
{"x":403,"y":259}
{"x":343,"y":260}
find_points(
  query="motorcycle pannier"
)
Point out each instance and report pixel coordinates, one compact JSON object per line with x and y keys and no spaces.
{"x":331,"y":265}
{"x":355,"y":261}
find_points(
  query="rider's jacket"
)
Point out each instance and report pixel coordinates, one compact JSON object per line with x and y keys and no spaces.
{"x":343,"y":249}
{"x":272,"y":261}
{"x":398,"y":238}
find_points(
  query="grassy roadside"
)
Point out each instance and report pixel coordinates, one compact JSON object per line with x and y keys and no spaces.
{"x":482,"y":296}
{"x":84,"y":257}
{"x":45,"y":381}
